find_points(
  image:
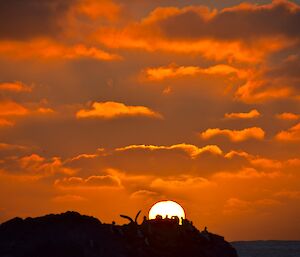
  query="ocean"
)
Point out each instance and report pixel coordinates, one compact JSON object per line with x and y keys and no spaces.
{"x":267,"y":248}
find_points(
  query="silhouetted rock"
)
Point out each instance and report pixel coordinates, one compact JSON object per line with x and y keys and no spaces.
{"x":73,"y":235}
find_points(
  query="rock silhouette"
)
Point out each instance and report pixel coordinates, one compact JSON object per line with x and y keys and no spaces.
{"x":71,"y":234}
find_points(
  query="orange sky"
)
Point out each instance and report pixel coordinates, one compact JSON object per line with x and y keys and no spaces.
{"x":109,"y":106}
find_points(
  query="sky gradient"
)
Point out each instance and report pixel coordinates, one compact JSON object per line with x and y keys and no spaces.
{"x":109,"y":106}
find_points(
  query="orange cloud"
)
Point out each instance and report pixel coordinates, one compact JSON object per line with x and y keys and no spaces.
{"x":243,"y":115}
{"x":272,"y":81}
{"x":247,"y":173}
{"x":203,"y":23}
{"x":68,"y":198}
{"x":144,"y":194}
{"x":49,"y":49}
{"x":256,"y":91}
{"x":32,"y":166}
{"x":15,"y":87}
{"x":288,"y":116}
{"x":6,"y":123}
{"x":293,"y":162}
{"x":90,"y":182}
{"x":172,"y":71}
{"x":37,"y":165}
{"x":96,"y":9}
{"x":236,"y":206}
{"x":167,"y":91}
{"x":43,"y":110}
{"x":292,"y":134}
{"x":234,"y":135}
{"x":10,"y":108}
{"x":289,"y":194}
{"x":208,"y":48}
{"x":191,"y":150}
{"x":181,"y":182}
{"x":4,"y":146}
{"x":213,"y":34}
{"x":111,"y":110}
{"x":266,"y":163}
{"x":256,"y":161}
{"x":232,"y":154}
{"x":84,"y":156}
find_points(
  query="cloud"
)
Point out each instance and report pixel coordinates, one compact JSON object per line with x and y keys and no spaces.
{"x":235,"y":135}
{"x":5,"y":146}
{"x":247,"y":173}
{"x":274,"y":80}
{"x":214,"y":34}
{"x":164,"y":160}
{"x":292,"y":134}
{"x":255,"y":161}
{"x":287,"y":68}
{"x":288,"y":194}
{"x":164,"y":29}
{"x":266,"y":163}
{"x":6,"y":123}
{"x":52,"y":18}
{"x":32,"y":165}
{"x":192,"y":150}
{"x":44,"y":48}
{"x":95,"y":9}
{"x":68,"y":198}
{"x":236,"y":206}
{"x":208,"y":48}
{"x":181,"y":182}
{"x":11,"y":108}
{"x":112,"y":110}
{"x":22,"y":20}
{"x":243,"y":115}
{"x":293,"y":162}
{"x":90,"y":182}
{"x":288,"y":116}
{"x":263,"y":165}
{"x":173,"y":71}
{"x":37,"y":165}
{"x":43,"y":110}
{"x":54,"y":29}
{"x":9,"y":154}
{"x":233,"y":154}
{"x":84,"y":156}
{"x":145,"y":194}
{"x":254,"y":21}
{"x":261,"y":90}
{"x":15,"y":87}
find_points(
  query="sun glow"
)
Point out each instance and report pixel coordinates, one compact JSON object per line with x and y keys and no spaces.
{"x":166,"y":209}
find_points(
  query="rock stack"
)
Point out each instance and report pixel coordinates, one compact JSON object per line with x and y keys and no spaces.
{"x":71,"y":234}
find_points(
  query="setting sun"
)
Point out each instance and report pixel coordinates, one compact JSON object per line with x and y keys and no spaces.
{"x":166,"y":208}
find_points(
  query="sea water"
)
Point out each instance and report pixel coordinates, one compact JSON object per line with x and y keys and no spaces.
{"x":267,"y":248}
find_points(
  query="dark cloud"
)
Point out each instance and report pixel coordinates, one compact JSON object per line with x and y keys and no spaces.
{"x":286,"y":69}
{"x":22,"y":19}
{"x":240,"y":22}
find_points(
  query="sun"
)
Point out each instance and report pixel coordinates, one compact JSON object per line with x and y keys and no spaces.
{"x":166,"y":208}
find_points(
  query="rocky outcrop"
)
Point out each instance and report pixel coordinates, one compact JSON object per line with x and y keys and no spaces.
{"x":73,"y":235}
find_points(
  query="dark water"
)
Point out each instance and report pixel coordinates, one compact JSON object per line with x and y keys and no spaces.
{"x":267,"y":248}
